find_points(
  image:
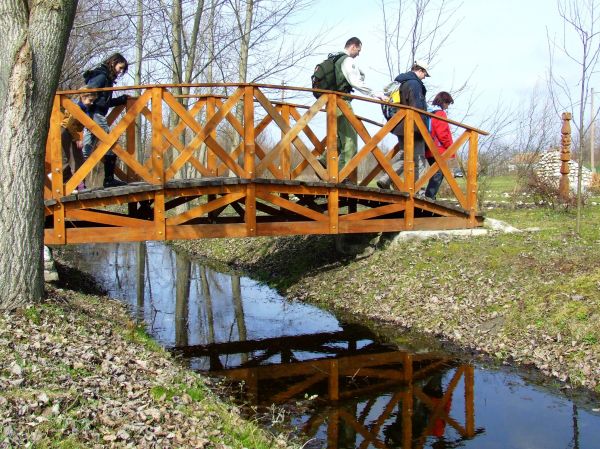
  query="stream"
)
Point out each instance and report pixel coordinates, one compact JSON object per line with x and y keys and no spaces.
{"x":336,"y":384}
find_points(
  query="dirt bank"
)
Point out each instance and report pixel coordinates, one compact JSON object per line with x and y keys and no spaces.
{"x":76,"y":372}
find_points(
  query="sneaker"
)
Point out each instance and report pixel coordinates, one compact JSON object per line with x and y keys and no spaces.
{"x":113,"y":183}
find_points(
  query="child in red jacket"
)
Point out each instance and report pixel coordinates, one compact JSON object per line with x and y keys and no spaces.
{"x":442,"y":137}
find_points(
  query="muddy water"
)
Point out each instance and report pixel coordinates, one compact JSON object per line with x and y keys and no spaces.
{"x":338,"y":385}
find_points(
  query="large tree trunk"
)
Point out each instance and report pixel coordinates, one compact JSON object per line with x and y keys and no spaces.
{"x":32,"y":51}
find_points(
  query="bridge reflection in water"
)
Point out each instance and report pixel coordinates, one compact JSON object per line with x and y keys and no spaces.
{"x":368,"y":394}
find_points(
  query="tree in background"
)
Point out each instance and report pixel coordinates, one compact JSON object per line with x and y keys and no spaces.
{"x":32,"y":51}
{"x":581,"y":19}
{"x":416,"y":29}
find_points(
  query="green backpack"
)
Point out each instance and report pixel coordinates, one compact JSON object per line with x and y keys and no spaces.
{"x":324,"y":74}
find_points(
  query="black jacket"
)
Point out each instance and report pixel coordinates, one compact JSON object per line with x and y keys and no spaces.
{"x":100,"y":77}
{"x":412,"y":93}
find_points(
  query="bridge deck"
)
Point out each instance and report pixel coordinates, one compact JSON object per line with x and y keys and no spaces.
{"x":232,"y":207}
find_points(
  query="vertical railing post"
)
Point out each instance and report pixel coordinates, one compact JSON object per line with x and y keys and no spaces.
{"x":211,"y":157}
{"x":249,"y":151}
{"x":249,"y":144}
{"x":130,"y":140}
{"x":409,"y":168}
{"x":472,"y":178}
{"x":56,"y":156}
{"x":332,"y":164}
{"x":158,"y":165}
{"x":332,"y":140}
{"x":286,"y":155}
{"x":56,"y":170}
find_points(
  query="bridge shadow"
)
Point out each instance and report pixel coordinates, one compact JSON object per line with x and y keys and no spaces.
{"x":310,"y":254}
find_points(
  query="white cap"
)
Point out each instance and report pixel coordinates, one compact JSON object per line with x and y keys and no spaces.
{"x":423,"y":65}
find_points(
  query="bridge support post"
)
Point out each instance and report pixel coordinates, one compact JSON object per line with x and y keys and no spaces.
{"x":332,"y":166}
{"x":158,"y":165}
{"x":249,"y":150}
{"x":409,"y":168}
{"x":56,"y":170}
{"x":472,"y":179}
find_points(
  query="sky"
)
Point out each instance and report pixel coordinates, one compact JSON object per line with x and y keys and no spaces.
{"x":500,"y":47}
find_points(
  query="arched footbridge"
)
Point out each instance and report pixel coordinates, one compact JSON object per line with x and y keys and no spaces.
{"x":244,"y":164}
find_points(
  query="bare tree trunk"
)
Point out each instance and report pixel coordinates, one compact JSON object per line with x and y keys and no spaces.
{"x":32,"y":50}
{"x":191,"y":52}
{"x":240,"y":318}
{"x":182,"y":299}
{"x":139,"y":52}
{"x":245,"y":27}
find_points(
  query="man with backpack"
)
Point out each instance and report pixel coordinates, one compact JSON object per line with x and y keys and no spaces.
{"x":412,"y":93}
{"x":347,"y":77}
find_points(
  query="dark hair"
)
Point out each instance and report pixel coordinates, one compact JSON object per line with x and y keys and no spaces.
{"x":442,"y":98}
{"x":353,"y":41}
{"x":112,"y":61}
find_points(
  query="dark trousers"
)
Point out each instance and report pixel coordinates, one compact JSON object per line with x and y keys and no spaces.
{"x":435,"y":182}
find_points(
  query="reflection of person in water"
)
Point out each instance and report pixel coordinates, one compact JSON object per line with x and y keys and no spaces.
{"x":433,"y":389}
{"x":423,"y":413}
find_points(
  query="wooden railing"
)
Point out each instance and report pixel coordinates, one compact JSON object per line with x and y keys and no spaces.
{"x":299,"y":135}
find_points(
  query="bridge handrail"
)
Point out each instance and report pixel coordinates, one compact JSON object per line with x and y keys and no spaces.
{"x":256,"y":160}
{"x":270,"y":86}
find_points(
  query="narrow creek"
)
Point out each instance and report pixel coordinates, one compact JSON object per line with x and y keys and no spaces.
{"x":339,"y":385}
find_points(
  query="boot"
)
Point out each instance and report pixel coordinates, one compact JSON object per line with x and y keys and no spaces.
{"x":110,"y":161}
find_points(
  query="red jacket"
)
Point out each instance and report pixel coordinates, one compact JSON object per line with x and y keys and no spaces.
{"x":440,"y":132}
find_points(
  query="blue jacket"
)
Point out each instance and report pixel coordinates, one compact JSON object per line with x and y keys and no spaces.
{"x":412,"y":90}
{"x":100,"y":77}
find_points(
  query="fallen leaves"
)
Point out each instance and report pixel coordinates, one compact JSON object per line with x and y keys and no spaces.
{"x":74,"y":374}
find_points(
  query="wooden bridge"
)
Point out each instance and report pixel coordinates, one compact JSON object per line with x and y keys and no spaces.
{"x":245,"y":165}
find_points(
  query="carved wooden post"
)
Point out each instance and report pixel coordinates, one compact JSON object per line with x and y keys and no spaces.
{"x":565,"y":155}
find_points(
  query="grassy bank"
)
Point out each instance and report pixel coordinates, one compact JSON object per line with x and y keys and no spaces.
{"x":75,"y":372}
{"x":531,"y":297}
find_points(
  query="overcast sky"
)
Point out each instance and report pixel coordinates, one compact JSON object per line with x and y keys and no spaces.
{"x":500,"y":45}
